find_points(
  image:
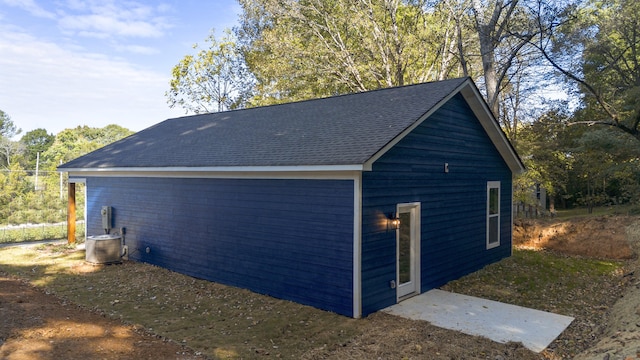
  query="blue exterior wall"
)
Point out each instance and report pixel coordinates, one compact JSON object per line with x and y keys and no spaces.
{"x":291,"y":239}
{"x":453,"y":219}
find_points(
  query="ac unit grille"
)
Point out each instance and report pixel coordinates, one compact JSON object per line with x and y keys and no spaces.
{"x":103,"y":249}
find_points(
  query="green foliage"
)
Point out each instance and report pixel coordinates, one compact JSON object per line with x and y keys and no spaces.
{"x":578,"y":165}
{"x":606,"y":166}
{"x":8,"y":148}
{"x":35,"y":233}
{"x":7,"y":128}
{"x":543,"y":146}
{"x":215,"y":79}
{"x":35,"y":141}
{"x":604,"y":36}
{"x":72,"y":143}
{"x":23,"y":200}
{"x":612,"y":57}
{"x":313,"y":48}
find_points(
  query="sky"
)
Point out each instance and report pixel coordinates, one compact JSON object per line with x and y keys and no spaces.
{"x":67,"y":63}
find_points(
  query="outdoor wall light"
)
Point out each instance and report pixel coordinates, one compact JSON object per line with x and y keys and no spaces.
{"x":393,"y":222}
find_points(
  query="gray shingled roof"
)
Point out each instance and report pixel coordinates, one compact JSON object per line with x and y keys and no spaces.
{"x":341,"y":130}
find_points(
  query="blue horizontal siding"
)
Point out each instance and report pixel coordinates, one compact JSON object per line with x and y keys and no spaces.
{"x":291,"y":239}
{"x":453,"y":219}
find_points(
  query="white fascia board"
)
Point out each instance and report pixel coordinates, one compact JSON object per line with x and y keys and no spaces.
{"x":219,"y":169}
{"x":288,"y":172}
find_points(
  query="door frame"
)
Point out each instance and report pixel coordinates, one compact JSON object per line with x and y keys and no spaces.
{"x":404,"y":291}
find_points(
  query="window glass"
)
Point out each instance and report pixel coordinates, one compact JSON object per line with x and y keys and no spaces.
{"x":493,"y":214}
{"x":493,"y":230}
{"x":494,"y":205}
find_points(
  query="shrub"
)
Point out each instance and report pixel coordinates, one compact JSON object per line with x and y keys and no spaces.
{"x":40,"y":232}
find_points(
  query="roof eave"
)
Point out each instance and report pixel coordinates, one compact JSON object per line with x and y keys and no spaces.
{"x":177,"y":170}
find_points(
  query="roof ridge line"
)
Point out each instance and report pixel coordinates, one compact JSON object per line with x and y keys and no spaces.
{"x":323,"y":98}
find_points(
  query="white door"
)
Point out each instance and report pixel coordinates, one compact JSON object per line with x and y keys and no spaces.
{"x":408,"y":250}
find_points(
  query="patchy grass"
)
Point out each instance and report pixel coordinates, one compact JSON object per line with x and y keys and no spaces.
{"x":542,"y":280}
{"x":227,"y":322}
{"x":575,"y":286}
{"x":220,"y":321}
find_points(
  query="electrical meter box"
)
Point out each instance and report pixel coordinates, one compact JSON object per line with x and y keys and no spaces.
{"x":105,"y":212}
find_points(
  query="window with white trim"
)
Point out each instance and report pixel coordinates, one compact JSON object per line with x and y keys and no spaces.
{"x":493,"y":214}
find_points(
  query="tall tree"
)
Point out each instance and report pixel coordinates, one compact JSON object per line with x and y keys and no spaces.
{"x":545,"y":145}
{"x":72,"y":143}
{"x":8,"y":147}
{"x":7,"y":128}
{"x":311,"y":48}
{"x":606,"y":165}
{"x":503,"y":29}
{"x":308,"y":48}
{"x":596,"y":45}
{"x":301,"y":49}
{"x":36,"y":142}
{"x":215,"y":79}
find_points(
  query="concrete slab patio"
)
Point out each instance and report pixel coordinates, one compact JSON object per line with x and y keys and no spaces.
{"x":494,"y":320}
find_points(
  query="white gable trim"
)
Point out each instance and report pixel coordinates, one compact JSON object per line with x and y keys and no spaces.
{"x":479,"y":107}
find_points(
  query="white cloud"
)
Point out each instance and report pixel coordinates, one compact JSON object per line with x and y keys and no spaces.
{"x":47,"y":86}
{"x":113,"y":19}
{"x":137,"y":49}
{"x":31,"y":7}
{"x":108,"y":25}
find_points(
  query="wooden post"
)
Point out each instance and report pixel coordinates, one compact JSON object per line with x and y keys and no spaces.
{"x":71,"y":214}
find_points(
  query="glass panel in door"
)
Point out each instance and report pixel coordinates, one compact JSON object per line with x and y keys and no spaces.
{"x":408,"y":249}
{"x":404,"y":248}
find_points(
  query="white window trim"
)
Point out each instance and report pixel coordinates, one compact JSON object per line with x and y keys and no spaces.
{"x":492,"y":185}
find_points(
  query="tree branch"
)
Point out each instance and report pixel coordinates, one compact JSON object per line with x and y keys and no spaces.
{"x":603,"y":104}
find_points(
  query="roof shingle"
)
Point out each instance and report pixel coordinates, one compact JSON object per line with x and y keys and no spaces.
{"x":340,"y":130}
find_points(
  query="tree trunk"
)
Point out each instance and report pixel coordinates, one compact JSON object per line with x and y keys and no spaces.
{"x":487,"y":51}
{"x":491,"y":28}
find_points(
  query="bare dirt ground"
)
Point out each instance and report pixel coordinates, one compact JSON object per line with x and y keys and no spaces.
{"x":37,"y":325}
{"x":613,"y":237}
{"x":602,"y":237}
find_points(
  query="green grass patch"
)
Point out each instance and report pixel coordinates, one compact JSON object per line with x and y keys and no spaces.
{"x":220,"y":321}
{"x":227,"y":322}
{"x":542,"y":280}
